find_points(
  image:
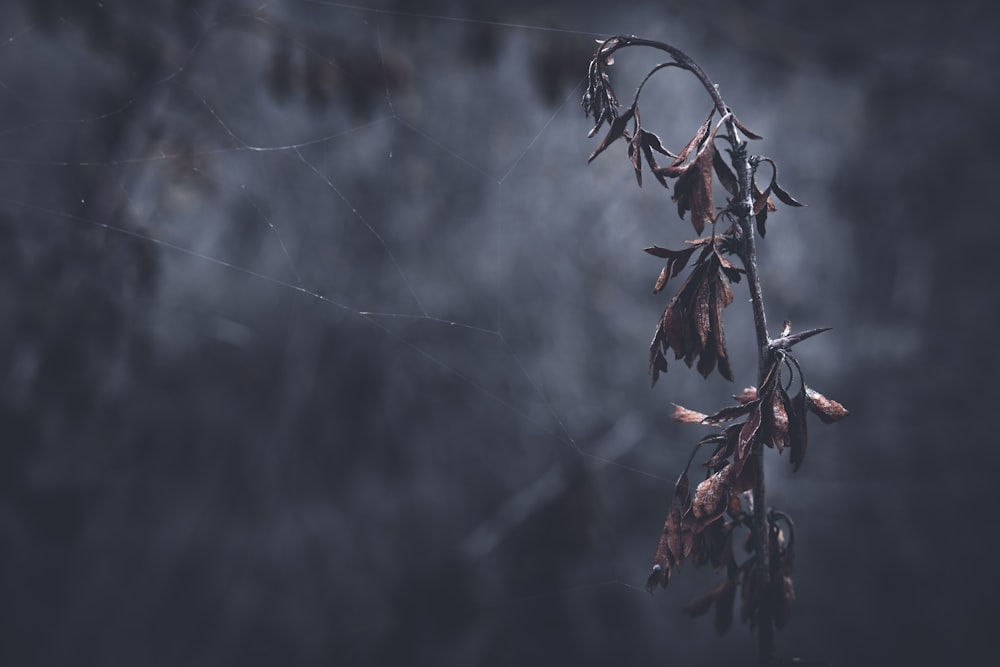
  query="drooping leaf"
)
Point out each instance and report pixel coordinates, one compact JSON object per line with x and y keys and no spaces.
{"x":748,"y":433}
{"x":617,"y":129}
{"x":777,"y":425}
{"x":798,"y":436}
{"x":725,"y":174}
{"x":722,"y":296}
{"x":711,"y":497}
{"x":747,"y":131}
{"x":827,"y":409}
{"x":634,"y":148}
{"x":785,"y":198}
{"x":693,"y":190}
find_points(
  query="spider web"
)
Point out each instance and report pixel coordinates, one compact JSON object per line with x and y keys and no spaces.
{"x":342,"y":274}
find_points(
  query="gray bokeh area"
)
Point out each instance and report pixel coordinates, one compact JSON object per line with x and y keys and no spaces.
{"x":322,"y":344}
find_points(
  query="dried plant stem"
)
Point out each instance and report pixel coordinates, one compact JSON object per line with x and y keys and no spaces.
{"x":748,"y":255}
{"x":700,"y":521}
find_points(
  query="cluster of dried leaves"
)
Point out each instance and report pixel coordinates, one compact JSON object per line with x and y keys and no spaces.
{"x":697,"y":528}
{"x":700,"y":526}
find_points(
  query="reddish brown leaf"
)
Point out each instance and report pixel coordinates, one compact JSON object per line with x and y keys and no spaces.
{"x":682,"y":414}
{"x":634,"y":149}
{"x":675,"y":538}
{"x":777,"y":426}
{"x":725,"y":174}
{"x":661,"y":281}
{"x":711,"y":497}
{"x":827,"y":409}
{"x":748,"y":433}
{"x":693,"y":190}
{"x":730,"y":413}
{"x":696,"y":140}
{"x":748,"y":394}
{"x":747,"y":131}
{"x":722,"y":296}
{"x":617,"y":129}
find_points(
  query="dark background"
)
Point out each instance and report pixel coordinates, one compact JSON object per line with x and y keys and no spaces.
{"x":322,"y":343}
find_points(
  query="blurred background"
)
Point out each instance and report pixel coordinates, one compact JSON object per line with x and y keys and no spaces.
{"x":323,"y":345}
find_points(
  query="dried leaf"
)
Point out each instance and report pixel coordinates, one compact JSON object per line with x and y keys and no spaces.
{"x":747,"y":131}
{"x":617,"y":130}
{"x":725,"y":174}
{"x":730,"y":413}
{"x":682,"y":414}
{"x":661,"y":281}
{"x":711,"y":497}
{"x":785,"y":198}
{"x":827,"y":409}
{"x":748,"y":394}
{"x":675,"y":538}
{"x":777,"y":426}
{"x":722,"y":296}
{"x":633,"y":153}
{"x":693,"y":190}
{"x":748,"y":433}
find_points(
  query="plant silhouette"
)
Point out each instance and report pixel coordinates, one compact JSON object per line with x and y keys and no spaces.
{"x":701,"y":523}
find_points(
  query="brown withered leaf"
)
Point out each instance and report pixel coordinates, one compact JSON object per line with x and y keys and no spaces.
{"x":711,"y":497}
{"x":747,"y":131}
{"x":777,"y":422}
{"x":748,"y":394}
{"x":762,"y":205}
{"x":682,"y":414}
{"x":798,"y":436}
{"x":730,"y":413}
{"x":700,"y":315}
{"x":675,"y":535}
{"x":615,"y":132}
{"x":634,"y":148}
{"x":724,"y":172}
{"x":722,"y":296}
{"x":724,"y":448}
{"x":676,"y":261}
{"x":828,"y":410}
{"x":693,"y":190}
{"x":748,"y":433}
